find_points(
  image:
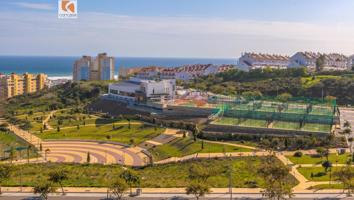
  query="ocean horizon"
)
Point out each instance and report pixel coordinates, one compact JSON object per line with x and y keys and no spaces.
{"x":61,"y":67}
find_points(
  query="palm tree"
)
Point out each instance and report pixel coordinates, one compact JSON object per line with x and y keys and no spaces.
{"x":58,"y":177}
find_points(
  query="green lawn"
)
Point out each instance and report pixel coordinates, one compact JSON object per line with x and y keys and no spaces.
{"x":317,"y":127}
{"x":186,"y":146}
{"x":318,"y":173}
{"x":9,"y":141}
{"x":286,"y":125}
{"x":121,"y":133}
{"x":69,"y":118}
{"x":308,"y":159}
{"x":169,"y":175}
{"x":327,"y":186}
{"x":241,"y":122}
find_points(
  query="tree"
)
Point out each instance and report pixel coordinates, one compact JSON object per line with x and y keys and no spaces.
{"x":320,"y":62}
{"x":58,"y":129}
{"x":284,"y":97}
{"x":131,"y":178}
{"x":197,"y":189}
{"x":29,"y":148}
{"x":347,"y":124}
{"x":346,"y":176}
{"x":321,"y":152}
{"x":5,"y":172}
{"x":326,"y":165}
{"x":43,"y":188}
{"x":58,"y":177}
{"x":276,"y":179}
{"x":88,"y":158}
{"x":118,"y":187}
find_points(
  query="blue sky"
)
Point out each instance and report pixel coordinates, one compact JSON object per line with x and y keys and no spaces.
{"x":177,"y":28}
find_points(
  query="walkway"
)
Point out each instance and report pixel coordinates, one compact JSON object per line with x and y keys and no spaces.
{"x":45,"y":121}
{"x":347,"y":114}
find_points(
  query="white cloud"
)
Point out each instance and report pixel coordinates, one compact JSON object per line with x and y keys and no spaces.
{"x":36,"y":6}
{"x":165,"y":36}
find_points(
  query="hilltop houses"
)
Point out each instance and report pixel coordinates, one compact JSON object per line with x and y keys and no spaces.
{"x":260,"y":61}
{"x":332,"y":61}
{"x":185,"y":73}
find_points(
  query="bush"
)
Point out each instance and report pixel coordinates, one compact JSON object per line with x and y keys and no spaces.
{"x":298,"y":154}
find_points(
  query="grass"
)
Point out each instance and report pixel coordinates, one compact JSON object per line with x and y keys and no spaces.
{"x":308,"y":159}
{"x":67,"y":117}
{"x":327,"y":186}
{"x":186,"y":146}
{"x":286,"y":125}
{"x":317,"y":127}
{"x":241,"y":122}
{"x":318,"y":173}
{"x":8,"y":141}
{"x":121,"y":133}
{"x":165,"y":176}
{"x":308,"y":82}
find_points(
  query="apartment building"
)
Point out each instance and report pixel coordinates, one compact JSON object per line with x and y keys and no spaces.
{"x":14,"y":84}
{"x":332,"y":61}
{"x":261,"y":61}
{"x":94,"y":69}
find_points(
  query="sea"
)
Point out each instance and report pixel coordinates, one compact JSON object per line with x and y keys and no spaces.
{"x":61,"y":67}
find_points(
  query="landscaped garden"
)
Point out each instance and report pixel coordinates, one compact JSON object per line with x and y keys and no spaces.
{"x":244,"y":173}
{"x":119,"y":131}
{"x":185,"y":146}
{"x":14,"y":148}
{"x":316,"y":159}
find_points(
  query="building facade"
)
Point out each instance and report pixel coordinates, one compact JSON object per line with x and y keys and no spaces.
{"x":253,"y":61}
{"x":14,"y":84}
{"x":332,"y":61}
{"x":94,"y":69}
{"x":139,"y":90}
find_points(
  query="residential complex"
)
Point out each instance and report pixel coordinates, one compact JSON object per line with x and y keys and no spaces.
{"x":14,"y":84}
{"x":332,"y":61}
{"x":94,"y":69}
{"x":185,"y":73}
{"x":141,"y":90}
{"x":260,"y":61}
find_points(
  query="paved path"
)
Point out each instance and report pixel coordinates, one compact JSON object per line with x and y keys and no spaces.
{"x":347,"y":114}
{"x":45,"y":121}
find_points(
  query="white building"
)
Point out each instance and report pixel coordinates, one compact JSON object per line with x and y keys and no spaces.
{"x":139,"y":90}
{"x":261,"y":61}
{"x":332,"y":62}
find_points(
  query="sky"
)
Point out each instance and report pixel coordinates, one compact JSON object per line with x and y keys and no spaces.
{"x":177,"y":28}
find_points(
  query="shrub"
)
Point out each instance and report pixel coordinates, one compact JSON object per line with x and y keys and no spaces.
{"x":298,"y":154}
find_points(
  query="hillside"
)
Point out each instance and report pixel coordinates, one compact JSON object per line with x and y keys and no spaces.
{"x":269,"y":82}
